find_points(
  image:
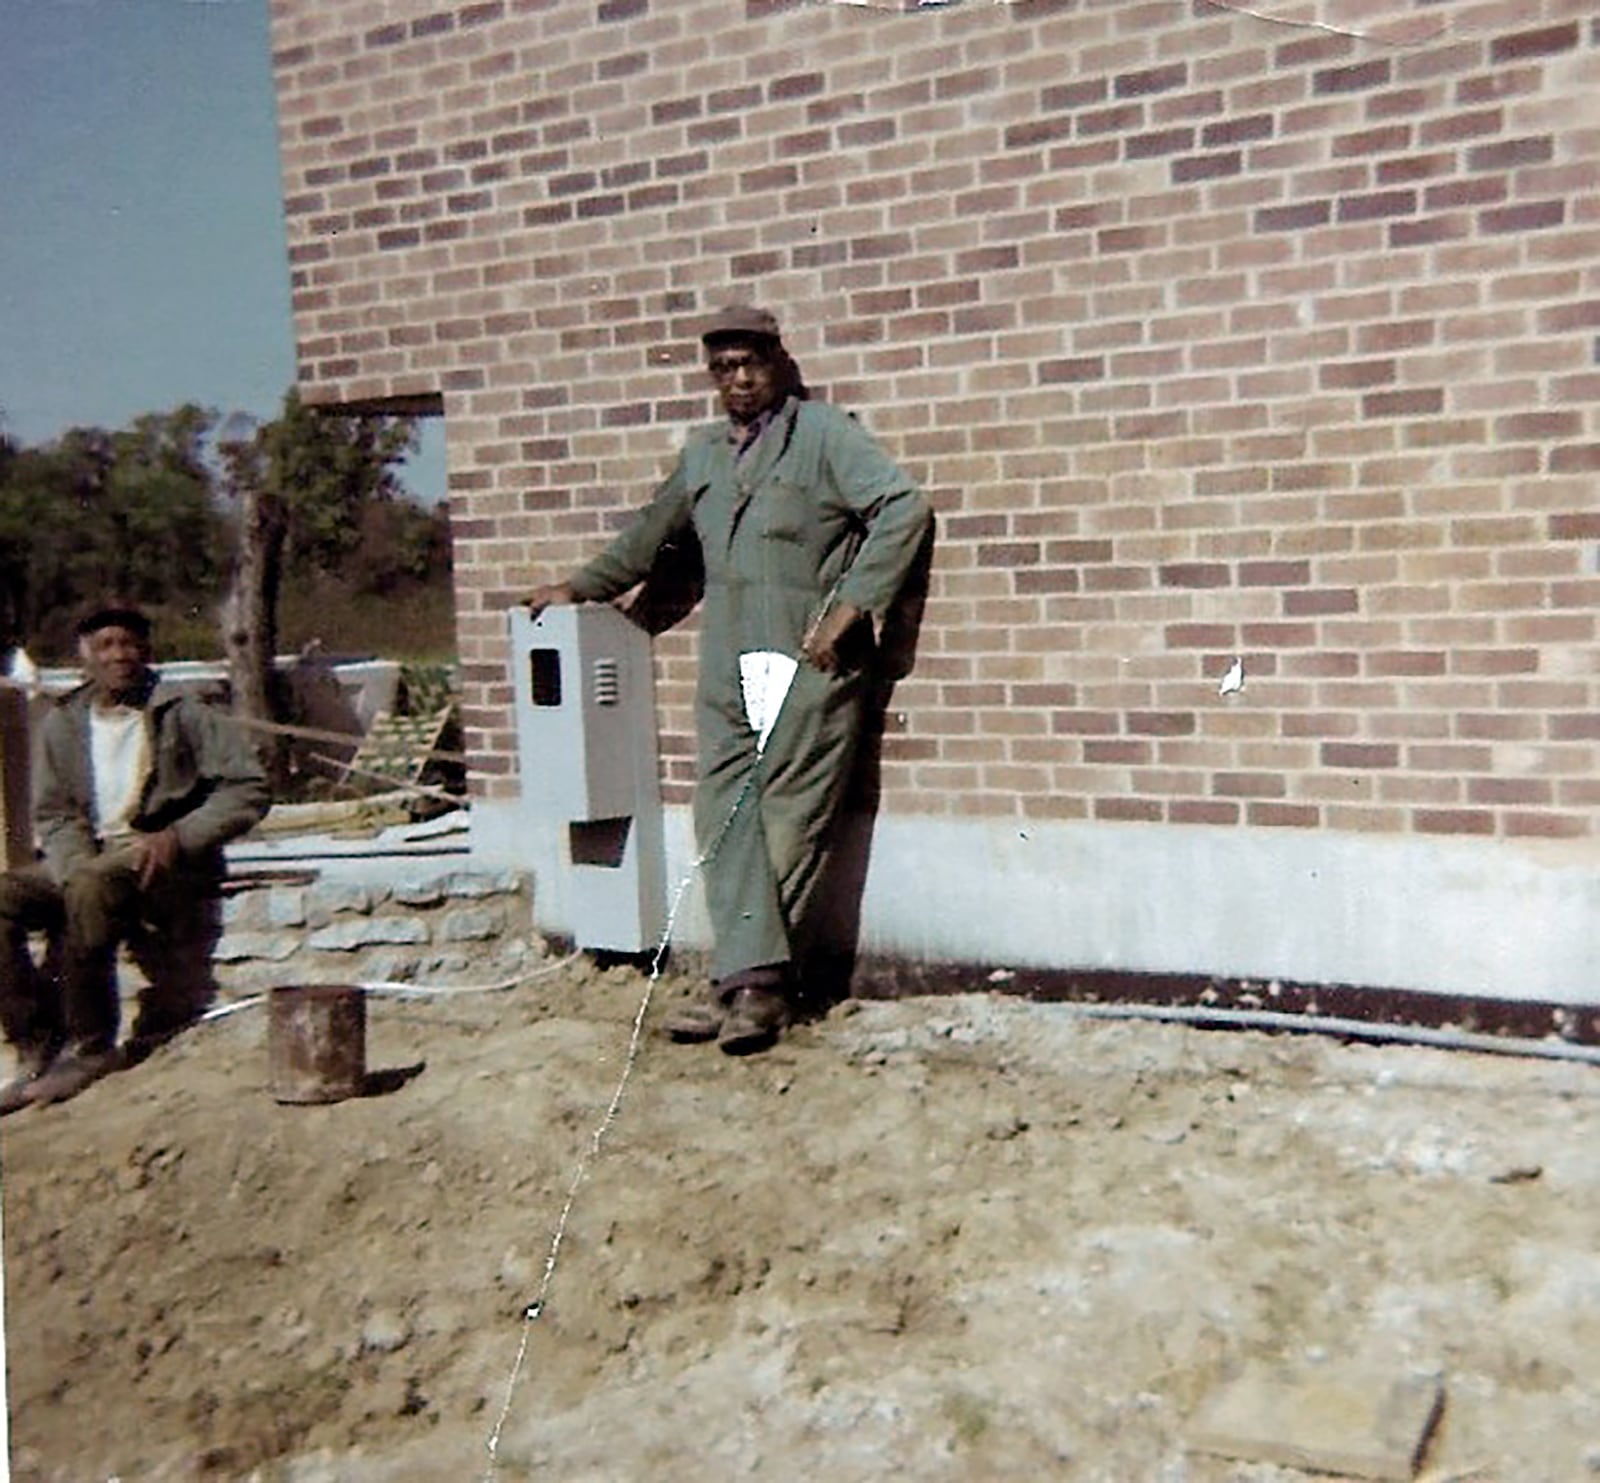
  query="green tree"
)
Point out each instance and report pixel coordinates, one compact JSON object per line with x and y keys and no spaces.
{"x":97,"y":512}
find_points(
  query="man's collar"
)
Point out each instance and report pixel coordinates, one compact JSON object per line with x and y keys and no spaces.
{"x":137,"y":698}
{"x":743,"y":438}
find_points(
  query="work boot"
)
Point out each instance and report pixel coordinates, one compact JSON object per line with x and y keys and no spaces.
{"x":699,"y":1020}
{"x":32,"y":1063}
{"x":754,"y":1020}
{"x":74,"y":1071}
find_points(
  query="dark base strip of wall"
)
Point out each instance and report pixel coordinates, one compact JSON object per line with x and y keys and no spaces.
{"x":881,"y":977}
{"x":884,"y":978}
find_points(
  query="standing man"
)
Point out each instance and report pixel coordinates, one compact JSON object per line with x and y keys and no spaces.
{"x":136,"y":789}
{"x":807,"y":531}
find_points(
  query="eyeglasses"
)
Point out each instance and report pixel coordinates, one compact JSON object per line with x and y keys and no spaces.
{"x":725,"y":366}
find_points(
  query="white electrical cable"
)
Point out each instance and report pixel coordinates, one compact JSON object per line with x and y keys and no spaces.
{"x":1322,"y":1024}
{"x":406,"y":990}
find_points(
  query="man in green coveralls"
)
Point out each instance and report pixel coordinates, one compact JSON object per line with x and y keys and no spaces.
{"x":807,"y":530}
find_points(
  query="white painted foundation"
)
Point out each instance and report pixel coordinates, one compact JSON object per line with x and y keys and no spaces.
{"x":1507,"y":920}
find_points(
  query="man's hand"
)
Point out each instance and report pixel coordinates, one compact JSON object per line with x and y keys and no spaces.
{"x":821,"y":647}
{"x":551,"y":595}
{"x":154,"y":854}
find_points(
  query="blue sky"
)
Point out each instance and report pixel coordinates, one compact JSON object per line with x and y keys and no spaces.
{"x":142,"y":257}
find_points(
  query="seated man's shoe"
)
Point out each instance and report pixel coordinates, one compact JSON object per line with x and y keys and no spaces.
{"x":32,"y":1063}
{"x":755,"y":1019}
{"x":71,"y":1074}
{"x":699,"y":1020}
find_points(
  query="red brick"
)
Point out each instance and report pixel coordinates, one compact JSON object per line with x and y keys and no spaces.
{"x":1159,"y":142}
{"x":1584,"y":526}
{"x":1161,"y":723}
{"x":1376,"y":204}
{"x":1217,"y":636}
{"x":1572,"y":458}
{"x":1283,"y":815}
{"x":1452,"y":821}
{"x":1360,"y":755}
{"x":1085,"y":723}
{"x":1539,"y":43}
{"x":1202,"y":811}
{"x":1133,"y":810}
{"x":1546,"y":825}
{"x":1117,"y":753}
{"x":1320,"y":601}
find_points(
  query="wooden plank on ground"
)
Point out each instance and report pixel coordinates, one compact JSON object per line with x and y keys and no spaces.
{"x":1353,"y":1422}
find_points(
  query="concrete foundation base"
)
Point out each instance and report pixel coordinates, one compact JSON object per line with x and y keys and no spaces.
{"x":1505,"y":920}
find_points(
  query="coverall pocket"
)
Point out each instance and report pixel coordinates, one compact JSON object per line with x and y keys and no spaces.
{"x":786,"y":513}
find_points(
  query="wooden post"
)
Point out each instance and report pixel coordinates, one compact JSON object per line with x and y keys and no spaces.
{"x":16,"y":811}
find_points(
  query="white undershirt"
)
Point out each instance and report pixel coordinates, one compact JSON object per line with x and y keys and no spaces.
{"x":119,"y":756}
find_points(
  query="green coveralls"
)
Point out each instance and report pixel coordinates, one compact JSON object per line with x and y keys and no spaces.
{"x":815,"y":513}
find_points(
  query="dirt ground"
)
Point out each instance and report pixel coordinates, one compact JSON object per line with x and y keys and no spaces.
{"x":946,"y":1238}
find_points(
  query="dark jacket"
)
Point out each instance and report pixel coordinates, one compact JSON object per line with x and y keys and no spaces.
{"x":205,"y":782}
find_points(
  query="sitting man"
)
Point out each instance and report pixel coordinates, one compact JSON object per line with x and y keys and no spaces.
{"x":136,"y":789}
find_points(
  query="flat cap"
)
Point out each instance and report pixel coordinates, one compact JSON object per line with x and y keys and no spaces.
{"x":112,"y":612}
{"x":740,"y":322}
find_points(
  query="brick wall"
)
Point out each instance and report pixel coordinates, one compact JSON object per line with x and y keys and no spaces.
{"x":1210,"y":336}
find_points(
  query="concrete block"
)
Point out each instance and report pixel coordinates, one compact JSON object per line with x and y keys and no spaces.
{"x":1345,"y":1421}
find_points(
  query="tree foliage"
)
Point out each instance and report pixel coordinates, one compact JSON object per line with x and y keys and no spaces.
{"x":130,"y":512}
{"x":152,"y":512}
{"x":323,"y":471}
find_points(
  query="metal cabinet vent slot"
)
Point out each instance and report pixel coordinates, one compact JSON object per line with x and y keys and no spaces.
{"x":607,"y":682}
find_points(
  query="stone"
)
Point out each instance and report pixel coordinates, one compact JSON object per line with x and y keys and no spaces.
{"x":329,"y":899}
{"x":286,"y":906}
{"x":384,"y":1332}
{"x":388,"y":966}
{"x":1346,"y":1421}
{"x":420,"y":893}
{"x":347,"y":937}
{"x":271,"y":947}
{"x":478,"y":883}
{"x":241,"y":980}
{"x":470,"y":924}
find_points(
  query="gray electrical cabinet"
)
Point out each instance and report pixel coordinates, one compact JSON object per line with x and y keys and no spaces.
{"x":586,"y":751}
